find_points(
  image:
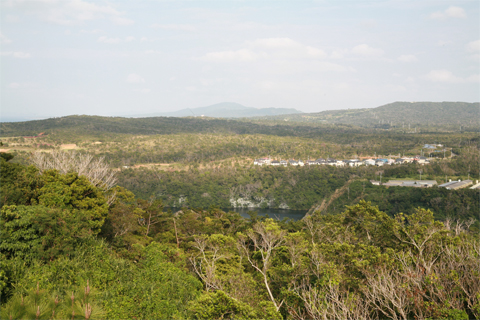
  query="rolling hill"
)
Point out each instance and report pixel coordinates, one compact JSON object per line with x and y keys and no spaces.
{"x":399,"y":115}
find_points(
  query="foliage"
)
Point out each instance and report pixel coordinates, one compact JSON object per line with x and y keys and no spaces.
{"x":74,"y":192}
{"x":39,"y":232}
{"x":217,"y":305}
{"x":40,"y":304}
{"x":388,"y":258}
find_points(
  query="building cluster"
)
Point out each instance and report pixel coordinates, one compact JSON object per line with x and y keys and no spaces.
{"x":451,"y":185}
{"x":408,"y":183}
{"x":454,"y":185}
{"x":339,"y":163}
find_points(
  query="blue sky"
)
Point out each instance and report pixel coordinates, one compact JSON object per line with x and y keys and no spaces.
{"x":62,"y":57}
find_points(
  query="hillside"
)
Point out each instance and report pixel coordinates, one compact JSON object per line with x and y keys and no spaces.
{"x":399,"y":115}
{"x":82,"y":125}
{"x":224,"y":110}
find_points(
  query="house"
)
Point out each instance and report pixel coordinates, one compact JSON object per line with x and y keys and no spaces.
{"x":422,"y":160}
{"x":311,"y":162}
{"x":475,"y":186}
{"x":455,"y":185}
{"x":353,"y":162}
{"x":331,"y":162}
{"x":321,"y":161}
{"x":300,"y":163}
{"x":262,"y":161}
{"x":379,"y":163}
{"x":275,"y":163}
{"x":411,"y":183}
{"x":283,"y":163}
{"x":293,"y":162}
{"x":369,"y":162}
{"x":446,"y":184}
{"x":340,"y":163}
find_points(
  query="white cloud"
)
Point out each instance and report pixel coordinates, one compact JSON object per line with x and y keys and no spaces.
{"x":451,"y":12}
{"x":69,"y":12}
{"x":105,"y":39}
{"x":238,"y":55}
{"x":446,"y":76}
{"x":271,"y":48}
{"x":4,"y":39}
{"x":338,"y":54}
{"x":90,"y":31}
{"x":17,"y":85}
{"x":176,"y":27}
{"x":473,"y":46}
{"x":443,"y":43}
{"x":135,"y":78}
{"x":16,"y":54}
{"x":12,"y":18}
{"x":407,"y":58}
{"x":367,"y":51}
{"x":394,"y":88}
{"x":14,"y":85}
{"x":108,"y":40}
{"x":277,"y":43}
{"x":121,"y":21}
{"x":473,"y":78}
{"x":368,"y":23}
{"x":143,"y":90}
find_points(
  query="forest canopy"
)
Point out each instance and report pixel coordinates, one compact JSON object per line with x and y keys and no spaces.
{"x":65,"y":251}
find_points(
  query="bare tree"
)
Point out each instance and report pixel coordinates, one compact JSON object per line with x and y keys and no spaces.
{"x":326,"y":301}
{"x":96,"y":170}
{"x":387,"y":290}
{"x":204,"y":264}
{"x":421,"y":234}
{"x":347,"y":305}
{"x":266,"y":237}
{"x":465,"y":260}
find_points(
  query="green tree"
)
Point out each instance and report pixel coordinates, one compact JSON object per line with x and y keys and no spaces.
{"x":71,"y":191}
{"x":39,"y":232}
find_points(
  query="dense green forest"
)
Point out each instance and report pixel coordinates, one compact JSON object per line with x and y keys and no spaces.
{"x":300,"y":188}
{"x":70,"y":249}
{"x":80,"y":240}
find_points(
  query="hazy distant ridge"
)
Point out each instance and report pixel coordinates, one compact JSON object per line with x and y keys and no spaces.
{"x":399,"y":114}
{"x":224,"y":110}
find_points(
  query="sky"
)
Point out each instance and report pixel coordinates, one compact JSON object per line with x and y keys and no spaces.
{"x":118,"y":58}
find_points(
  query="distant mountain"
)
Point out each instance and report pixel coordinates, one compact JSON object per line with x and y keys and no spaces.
{"x":398,"y":114}
{"x":224,"y":110}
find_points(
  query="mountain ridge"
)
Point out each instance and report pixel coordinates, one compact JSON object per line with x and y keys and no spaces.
{"x":222,"y":110}
{"x":397,"y":114}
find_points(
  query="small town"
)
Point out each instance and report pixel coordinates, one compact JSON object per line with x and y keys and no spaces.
{"x":450,"y":185}
{"x":267,"y":161}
